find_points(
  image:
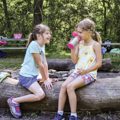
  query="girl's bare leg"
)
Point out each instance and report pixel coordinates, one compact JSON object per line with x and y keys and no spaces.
{"x":63,"y":94}
{"x":37,"y":95}
{"x":71,"y":87}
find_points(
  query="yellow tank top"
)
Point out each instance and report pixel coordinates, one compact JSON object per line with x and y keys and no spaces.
{"x":87,"y":59}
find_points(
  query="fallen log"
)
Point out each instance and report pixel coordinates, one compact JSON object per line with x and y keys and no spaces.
{"x":67,"y":64}
{"x":102,"y":94}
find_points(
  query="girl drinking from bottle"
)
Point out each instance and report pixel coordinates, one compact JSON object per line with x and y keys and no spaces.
{"x":87,"y":57}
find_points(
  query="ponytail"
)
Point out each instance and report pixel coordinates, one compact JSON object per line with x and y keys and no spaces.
{"x":31,"y":38}
{"x":97,"y":37}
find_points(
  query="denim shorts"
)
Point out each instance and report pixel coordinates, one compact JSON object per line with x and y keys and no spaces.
{"x":87,"y":77}
{"x":27,"y":81}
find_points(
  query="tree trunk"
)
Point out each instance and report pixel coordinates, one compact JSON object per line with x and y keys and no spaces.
{"x":116,"y":18}
{"x":8,"y":26}
{"x":102,"y":94}
{"x":105,"y":18}
{"x":38,"y":11}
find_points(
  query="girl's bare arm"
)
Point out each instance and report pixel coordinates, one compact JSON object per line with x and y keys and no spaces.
{"x":41,"y":67}
{"x":74,"y":54}
{"x":46,"y":66}
{"x":97,"y":49}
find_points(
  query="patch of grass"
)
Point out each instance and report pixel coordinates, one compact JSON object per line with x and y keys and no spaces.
{"x":116,"y":66}
{"x":115,"y":60}
{"x":15,"y":59}
{"x":58,"y":54}
{"x":13,"y":63}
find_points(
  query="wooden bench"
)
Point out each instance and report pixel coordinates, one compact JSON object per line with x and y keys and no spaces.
{"x":112,"y":44}
{"x":23,"y":48}
{"x":12,"y":47}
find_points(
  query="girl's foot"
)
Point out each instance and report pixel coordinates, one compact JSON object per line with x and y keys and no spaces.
{"x":14,"y":108}
{"x":73,"y":118}
{"x":59,"y":117}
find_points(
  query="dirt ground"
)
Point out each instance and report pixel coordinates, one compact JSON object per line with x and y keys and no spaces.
{"x":84,"y":115}
{"x":5,"y":115}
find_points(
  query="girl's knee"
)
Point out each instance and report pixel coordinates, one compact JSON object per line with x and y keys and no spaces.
{"x":43,"y":95}
{"x":64,"y":86}
{"x":70,"y":87}
{"x":39,"y":96}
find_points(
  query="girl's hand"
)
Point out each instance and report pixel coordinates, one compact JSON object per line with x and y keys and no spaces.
{"x":82,"y":71}
{"x":48,"y":84}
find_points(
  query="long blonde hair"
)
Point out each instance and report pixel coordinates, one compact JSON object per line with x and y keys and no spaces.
{"x":88,"y":24}
{"x":38,"y":29}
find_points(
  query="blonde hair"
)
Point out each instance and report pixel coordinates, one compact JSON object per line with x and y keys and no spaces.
{"x":88,"y":24}
{"x":38,"y":29}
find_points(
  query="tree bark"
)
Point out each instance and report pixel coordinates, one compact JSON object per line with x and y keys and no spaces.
{"x":66,"y":64}
{"x":105,"y":18}
{"x":38,"y":11}
{"x":6,"y":14}
{"x":103,"y":94}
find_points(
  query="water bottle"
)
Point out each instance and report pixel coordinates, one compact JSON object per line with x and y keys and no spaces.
{"x":74,"y":41}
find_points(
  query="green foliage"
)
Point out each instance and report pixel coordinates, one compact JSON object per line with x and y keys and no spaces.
{"x":62,"y":16}
{"x":20,"y":15}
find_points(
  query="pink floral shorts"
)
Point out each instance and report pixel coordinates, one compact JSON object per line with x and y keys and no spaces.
{"x":87,"y":77}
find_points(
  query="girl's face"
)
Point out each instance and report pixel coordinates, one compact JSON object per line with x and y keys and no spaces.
{"x":84,"y":34}
{"x":45,"y":37}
